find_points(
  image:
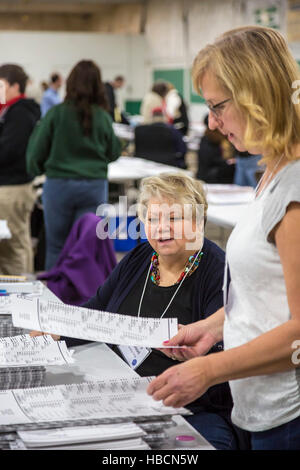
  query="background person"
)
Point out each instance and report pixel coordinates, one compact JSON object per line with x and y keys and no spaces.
{"x":18,"y":116}
{"x":154,"y":99}
{"x":246,"y":169}
{"x":114,"y":110}
{"x":213,"y":167}
{"x":159,"y":141}
{"x":51,"y":96}
{"x":176,"y":110}
{"x":261,"y":319}
{"x":73,"y":145}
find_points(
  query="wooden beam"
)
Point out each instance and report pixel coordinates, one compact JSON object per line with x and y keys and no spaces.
{"x":79,"y":6}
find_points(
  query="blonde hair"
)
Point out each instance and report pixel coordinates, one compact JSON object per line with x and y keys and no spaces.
{"x":255,"y":67}
{"x":175,"y":187}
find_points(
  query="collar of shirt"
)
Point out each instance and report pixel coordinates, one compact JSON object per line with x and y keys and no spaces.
{"x":9,"y":103}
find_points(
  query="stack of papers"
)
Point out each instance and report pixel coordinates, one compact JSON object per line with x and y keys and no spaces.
{"x":123,"y":444}
{"x":109,"y":401}
{"x":106,"y":436}
{"x":229,"y":194}
{"x":6,"y":325}
{"x":14,"y":285}
{"x":24,"y":350}
{"x":22,"y":360}
{"x":22,"y":377}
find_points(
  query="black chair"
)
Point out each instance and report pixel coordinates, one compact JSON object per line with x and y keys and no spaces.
{"x":159,"y":143}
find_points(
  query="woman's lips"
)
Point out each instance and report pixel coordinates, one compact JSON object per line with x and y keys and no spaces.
{"x":165,"y":240}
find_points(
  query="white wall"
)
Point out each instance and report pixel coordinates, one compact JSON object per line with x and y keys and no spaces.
{"x":175,"y":31}
{"x":43,"y":53}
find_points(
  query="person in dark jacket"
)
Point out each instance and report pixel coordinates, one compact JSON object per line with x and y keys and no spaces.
{"x":179,"y":274}
{"x":213,"y":167}
{"x":110,"y":87}
{"x":160,"y":142}
{"x":73,"y":145}
{"x":18,"y":116}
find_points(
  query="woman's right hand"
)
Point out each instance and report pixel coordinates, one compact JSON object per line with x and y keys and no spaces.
{"x":40,"y":333}
{"x":196,"y":339}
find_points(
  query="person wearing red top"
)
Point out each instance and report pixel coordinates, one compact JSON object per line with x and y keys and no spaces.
{"x":18,"y":116}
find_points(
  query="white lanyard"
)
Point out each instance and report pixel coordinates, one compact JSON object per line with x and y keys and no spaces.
{"x":147,"y":277}
{"x":135,"y":356}
{"x":269,"y":177}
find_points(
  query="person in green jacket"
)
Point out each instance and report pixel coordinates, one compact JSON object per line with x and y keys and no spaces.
{"x":73,"y":145}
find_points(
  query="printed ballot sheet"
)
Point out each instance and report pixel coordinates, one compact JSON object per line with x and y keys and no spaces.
{"x":83,"y":323}
{"x":23,"y":350}
{"x":109,"y":401}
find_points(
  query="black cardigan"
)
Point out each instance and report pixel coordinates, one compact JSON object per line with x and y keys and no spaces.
{"x":208,"y":300}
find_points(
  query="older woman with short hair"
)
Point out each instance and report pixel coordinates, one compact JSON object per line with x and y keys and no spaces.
{"x":177,"y":273}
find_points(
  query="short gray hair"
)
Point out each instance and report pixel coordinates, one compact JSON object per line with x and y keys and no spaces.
{"x":176,"y":187}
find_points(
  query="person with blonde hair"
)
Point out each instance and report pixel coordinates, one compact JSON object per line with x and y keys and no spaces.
{"x":247,"y":78}
{"x":177,"y":273}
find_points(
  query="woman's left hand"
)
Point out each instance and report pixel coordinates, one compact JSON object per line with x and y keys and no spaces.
{"x":182,"y":384}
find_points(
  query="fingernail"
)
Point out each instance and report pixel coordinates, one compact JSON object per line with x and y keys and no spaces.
{"x":166,"y":342}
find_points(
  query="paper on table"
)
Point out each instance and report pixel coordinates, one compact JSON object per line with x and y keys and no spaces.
{"x":30,"y":287}
{"x":229,"y":194}
{"x":27,"y":289}
{"x":24,"y":350}
{"x":78,"y":322}
{"x":73,"y":435}
{"x":5,"y":303}
{"x":120,"y":444}
{"x":110,"y":401}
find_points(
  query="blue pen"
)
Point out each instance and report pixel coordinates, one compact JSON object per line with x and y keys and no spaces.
{"x":3,"y":291}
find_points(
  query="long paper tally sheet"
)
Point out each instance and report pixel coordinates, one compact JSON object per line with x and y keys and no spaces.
{"x":78,"y":322}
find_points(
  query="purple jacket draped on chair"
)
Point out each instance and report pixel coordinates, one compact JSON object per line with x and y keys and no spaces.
{"x":83,"y":265}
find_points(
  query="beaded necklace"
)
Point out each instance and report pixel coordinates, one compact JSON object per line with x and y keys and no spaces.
{"x":191,"y":266}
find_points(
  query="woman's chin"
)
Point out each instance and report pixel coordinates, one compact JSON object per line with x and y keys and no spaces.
{"x":165,"y":244}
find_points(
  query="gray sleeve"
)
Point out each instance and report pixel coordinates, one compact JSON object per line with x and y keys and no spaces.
{"x":284,"y":191}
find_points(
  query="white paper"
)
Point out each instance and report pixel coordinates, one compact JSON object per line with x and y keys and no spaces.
{"x":107,"y":400}
{"x":27,"y":289}
{"x":78,"y":322}
{"x":121,"y":444}
{"x":222,"y":194}
{"x":73,"y":435}
{"x":30,"y":287}
{"x":23,"y":350}
{"x":5,"y":303}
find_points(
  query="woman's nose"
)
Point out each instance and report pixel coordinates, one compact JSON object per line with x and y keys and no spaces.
{"x":213,"y":121}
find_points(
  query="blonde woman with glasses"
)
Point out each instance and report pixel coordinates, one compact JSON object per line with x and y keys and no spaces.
{"x":247,"y":77}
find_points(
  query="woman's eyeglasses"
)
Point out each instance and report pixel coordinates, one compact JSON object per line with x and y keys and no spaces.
{"x":217,"y":108}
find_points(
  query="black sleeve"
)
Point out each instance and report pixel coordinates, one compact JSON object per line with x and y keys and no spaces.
{"x":16,"y":130}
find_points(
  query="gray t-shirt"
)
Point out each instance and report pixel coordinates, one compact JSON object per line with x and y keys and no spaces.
{"x":257,"y":302}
